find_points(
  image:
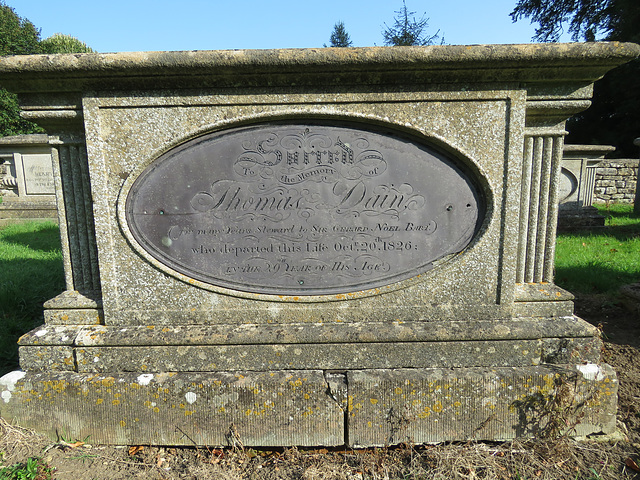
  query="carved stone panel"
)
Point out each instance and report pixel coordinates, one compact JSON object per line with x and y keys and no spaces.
{"x":303,"y":208}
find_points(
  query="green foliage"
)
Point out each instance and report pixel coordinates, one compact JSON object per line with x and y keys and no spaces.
{"x":601,"y":262}
{"x":28,"y":251}
{"x":407,"y":30}
{"x":32,"y":469}
{"x":18,"y":36}
{"x":339,"y":36}
{"x":10,"y":121}
{"x":588,"y":20}
{"x":614,"y":117}
{"x":61,"y":43}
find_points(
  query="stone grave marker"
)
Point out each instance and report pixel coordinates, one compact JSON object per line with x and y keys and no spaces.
{"x":577,"y":183}
{"x":26,"y":179}
{"x":309,"y":247}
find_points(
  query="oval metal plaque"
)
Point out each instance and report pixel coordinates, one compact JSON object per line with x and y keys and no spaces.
{"x":303,"y":208}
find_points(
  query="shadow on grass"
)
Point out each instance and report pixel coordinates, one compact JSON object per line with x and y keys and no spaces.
{"x":26,"y":282}
{"x":45,"y":239}
{"x":594,"y":278}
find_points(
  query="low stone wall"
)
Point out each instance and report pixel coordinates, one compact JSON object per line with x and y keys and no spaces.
{"x":616,"y":181}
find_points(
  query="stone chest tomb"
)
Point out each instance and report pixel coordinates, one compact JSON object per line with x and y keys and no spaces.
{"x":309,"y":247}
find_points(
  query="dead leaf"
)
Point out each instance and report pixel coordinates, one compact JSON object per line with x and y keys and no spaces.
{"x":136,"y":449}
{"x":632,"y":465}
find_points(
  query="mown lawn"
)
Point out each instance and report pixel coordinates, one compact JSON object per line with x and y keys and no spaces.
{"x":30,"y":273}
{"x":601,"y":261}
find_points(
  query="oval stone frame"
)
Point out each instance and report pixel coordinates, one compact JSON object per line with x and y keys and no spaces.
{"x":303,"y":208}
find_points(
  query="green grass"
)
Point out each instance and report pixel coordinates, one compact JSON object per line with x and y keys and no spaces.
{"x":32,"y":469}
{"x":601,"y":261}
{"x":31,"y":272}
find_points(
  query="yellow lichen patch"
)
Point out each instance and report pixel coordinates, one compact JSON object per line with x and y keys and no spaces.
{"x":151,"y":327}
{"x":188,"y":412}
{"x":398,"y":391}
{"x":117,"y":395}
{"x":425,"y":412}
{"x":123,"y":423}
{"x":115,"y":402}
{"x":306,"y":396}
{"x":165,"y":330}
{"x":156,"y":409}
{"x":222,"y":410}
{"x":373,"y":401}
{"x":99,"y":401}
{"x":437,"y":407}
{"x":457,"y":404}
{"x":108,"y":382}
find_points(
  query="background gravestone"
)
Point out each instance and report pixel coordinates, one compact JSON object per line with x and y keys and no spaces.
{"x":577,"y":184}
{"x":26,"y":179}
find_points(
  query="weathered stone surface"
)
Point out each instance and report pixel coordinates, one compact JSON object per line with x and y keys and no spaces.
{"x":305,"y":356}
{"x":72,"y":299}
{"x":541,"y":292}
{"x":342,"y":346}
{"x":47,"y":358}
{"x":363,"y":332}
{"x":543,"y":309}
{"x":74,"y":316}
{"x":416,"y":406}
{"x":262,"y":409}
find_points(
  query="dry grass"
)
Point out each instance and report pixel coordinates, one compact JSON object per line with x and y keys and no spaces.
{"x":551,"y":460}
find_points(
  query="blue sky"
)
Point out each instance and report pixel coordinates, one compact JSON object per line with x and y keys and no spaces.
{"x":148,"y":25}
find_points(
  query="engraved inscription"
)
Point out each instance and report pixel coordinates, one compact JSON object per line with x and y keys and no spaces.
{"x":38,"y":174}
{"x":303,"y":209}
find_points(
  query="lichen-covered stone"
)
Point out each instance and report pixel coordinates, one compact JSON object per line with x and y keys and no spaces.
{"x":420,"y":406}
{"x":249,"y":408}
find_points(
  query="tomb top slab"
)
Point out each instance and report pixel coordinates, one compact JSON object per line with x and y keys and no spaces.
{"x":448,"y":63}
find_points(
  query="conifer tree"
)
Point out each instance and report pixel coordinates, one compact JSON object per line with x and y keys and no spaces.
{"x":339,"y":36}
{"x":407,"y":30}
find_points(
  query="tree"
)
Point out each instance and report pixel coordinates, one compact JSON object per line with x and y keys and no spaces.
{"x":61,"y":43}
{"x":18,"y":36}
{"x":407,"y":30}
{"x":589,"y":20}
{"x":339,"y":36}
{"x":614,"y":117}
